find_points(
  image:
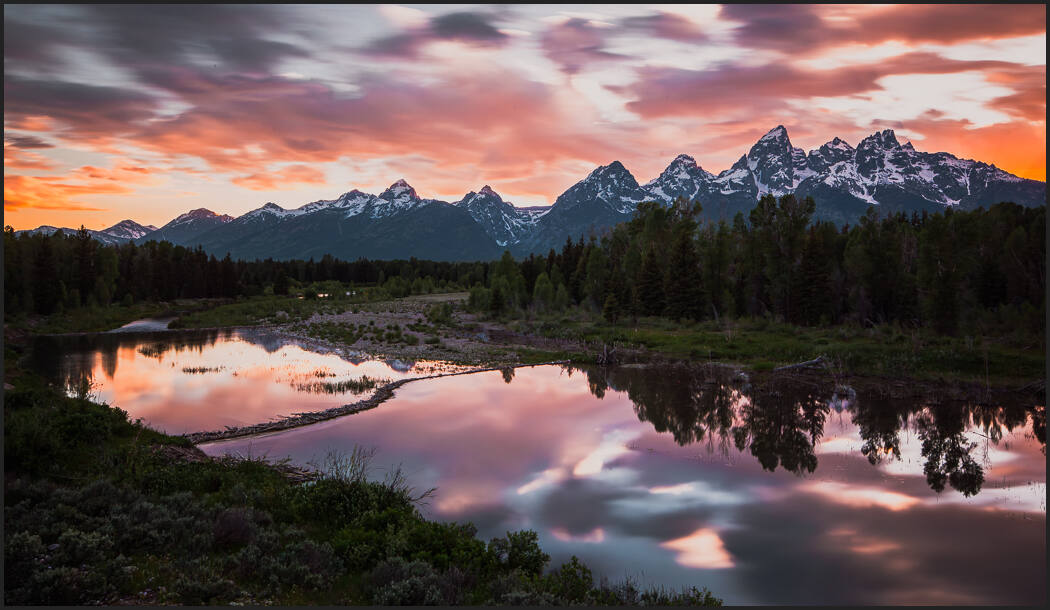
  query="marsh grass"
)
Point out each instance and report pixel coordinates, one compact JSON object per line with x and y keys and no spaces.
{"x":200,"y":370}
{"x":763,"y":344}
{"x":354,"y":386}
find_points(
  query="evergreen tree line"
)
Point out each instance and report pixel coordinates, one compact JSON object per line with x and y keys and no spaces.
{"x":940,"y":270}
{"x":44,"y":274}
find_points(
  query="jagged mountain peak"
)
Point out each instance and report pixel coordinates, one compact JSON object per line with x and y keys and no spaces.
{"x":353,"y":194}
{"x":884,"y":139}
{"x":485,"y":197}
{"x":775,"y":141}
{"x":680,"y":163}
{"x":128,"y":229}
{"x":776,"y":134}
{"x":683,"y":177}
{"x":202,"y":213}
{"x":499,"y":219}
{"x":681,"y":168}
{"x":837,"y":143}
{"x":613,"y":169}
{"x":613,"y":175}
{"x":399,"y":190}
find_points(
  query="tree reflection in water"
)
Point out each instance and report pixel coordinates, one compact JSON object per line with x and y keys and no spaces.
{"x":780,"y":421}
{"x":70,"y":359}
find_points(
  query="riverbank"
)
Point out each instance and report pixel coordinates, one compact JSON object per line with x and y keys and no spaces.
{"x":438,"y":327}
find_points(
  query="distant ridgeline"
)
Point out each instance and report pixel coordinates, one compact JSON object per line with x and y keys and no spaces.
{"x":843,"y":180}
{"x":985,"y":269}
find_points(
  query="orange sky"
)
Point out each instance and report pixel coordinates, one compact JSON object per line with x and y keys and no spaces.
{"x":114,"y":112}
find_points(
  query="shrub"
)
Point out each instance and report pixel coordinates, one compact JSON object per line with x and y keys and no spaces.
{"x":234,"y":527}
{"x":397,"y":582}
{"x":571,"y":582}
{"x":439,"y":314}
{"x":519,"y":550}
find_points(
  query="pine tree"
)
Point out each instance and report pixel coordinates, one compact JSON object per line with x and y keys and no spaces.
{"x":45,"y":278}
{"x":650,"y":286}
{"x":543,"y":293}
{"x":685,"y":294}
{"x":611,"y":309}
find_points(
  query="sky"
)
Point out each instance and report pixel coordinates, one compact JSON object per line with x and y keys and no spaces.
{"x":145,"y":112}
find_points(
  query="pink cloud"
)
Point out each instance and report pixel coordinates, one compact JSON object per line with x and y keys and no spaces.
{"x":281,"y":179}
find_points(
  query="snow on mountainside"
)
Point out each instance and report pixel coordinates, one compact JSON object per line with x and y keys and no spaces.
{"x":682,"y":178}
{"x":399,"y":197}
{"x":129,"y":229}
{"x":843,"y":180}
{"x":198,"y":214}
{"x":123,"y":231}
{"x":183,"y":229}
{"x":609,"y":186}
{"x":878,"y":170}
{"x":501,"y":220}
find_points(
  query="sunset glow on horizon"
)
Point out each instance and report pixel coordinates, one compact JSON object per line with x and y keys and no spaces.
{"x":146,"y":112}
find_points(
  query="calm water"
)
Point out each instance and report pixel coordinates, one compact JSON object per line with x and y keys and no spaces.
{"x":778,"y":493}
{"x":191,"y":381}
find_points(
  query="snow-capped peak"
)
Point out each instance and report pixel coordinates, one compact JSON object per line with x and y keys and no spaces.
{"x":837,"y":143}
{"x":399,"y":191}
{"x":683,"y":177}
{"x":201,"y":213}
{"x":682,"y":166}
{"x":777,"y":133}
{"x":613,"y":169}
{"x":486,"y":196}
{"x":128,"y":229}
{"x":884,"y":139}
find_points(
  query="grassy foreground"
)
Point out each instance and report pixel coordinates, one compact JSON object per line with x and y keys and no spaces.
{"x":101,"y":510}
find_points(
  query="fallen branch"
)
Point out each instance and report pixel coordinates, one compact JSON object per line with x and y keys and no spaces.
{"x":817,"y":363}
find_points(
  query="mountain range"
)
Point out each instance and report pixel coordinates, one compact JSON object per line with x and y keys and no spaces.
{"x":843,"y":180}
{"x":123,"y":231}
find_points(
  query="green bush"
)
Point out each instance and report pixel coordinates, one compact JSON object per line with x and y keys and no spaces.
{"x":521,"y":551}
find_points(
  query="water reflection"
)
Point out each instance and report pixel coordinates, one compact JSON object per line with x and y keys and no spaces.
{"x":779,"y":422}
{"x":638,"y":471}
{"x":189,"y":381}
{"x":773,"y":492}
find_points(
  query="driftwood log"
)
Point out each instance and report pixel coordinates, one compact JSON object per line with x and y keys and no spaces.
{"x":817,"y":363}
{"x":304,"y":419}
